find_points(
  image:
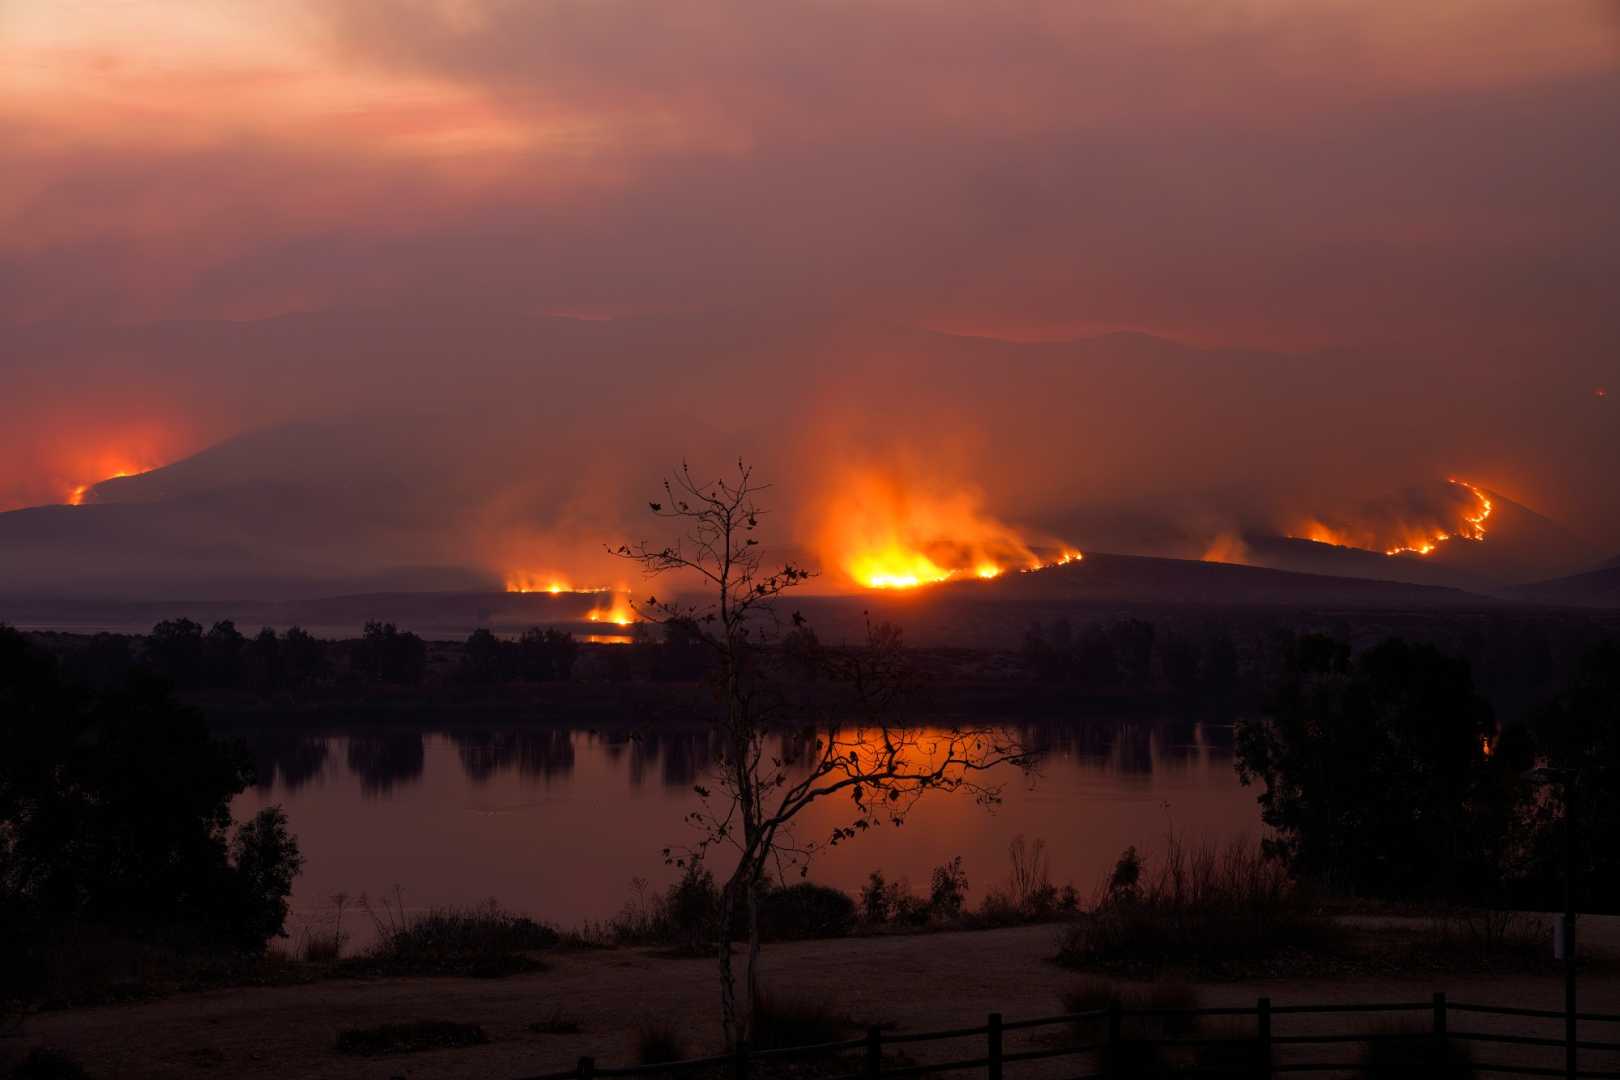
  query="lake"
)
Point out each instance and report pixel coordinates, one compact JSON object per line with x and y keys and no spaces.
{"x":557,"y":823}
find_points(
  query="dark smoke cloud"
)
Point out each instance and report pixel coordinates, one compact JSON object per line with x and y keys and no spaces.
{"x":1417,"y":214}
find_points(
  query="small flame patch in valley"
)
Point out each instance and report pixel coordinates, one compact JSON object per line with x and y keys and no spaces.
{"x":617,"y":611}
{"x":881,"y":534}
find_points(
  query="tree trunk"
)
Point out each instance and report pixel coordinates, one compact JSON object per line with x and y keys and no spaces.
{"x":752,"y":978}
{"x":728,"y":982}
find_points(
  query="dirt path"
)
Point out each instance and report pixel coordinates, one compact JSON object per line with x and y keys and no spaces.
{"x":918,"y":982}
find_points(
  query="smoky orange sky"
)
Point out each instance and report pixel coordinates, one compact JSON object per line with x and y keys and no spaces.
{"x":216,"y":218}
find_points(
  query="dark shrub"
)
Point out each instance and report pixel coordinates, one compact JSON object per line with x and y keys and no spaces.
{"x":409,"y":1037}
{"x":1094,"y":995}
{"x":1216,"y":911}
{"x":658,"y":1042}
{"x":877,"y":899}
{"x":805,"y":910}
{"x":1405,"y":1051}
{"x":484,"y":942}
{"x":686,"y":915}
{"x":1378,"y":774}
{"x":115,"y":816}
{"x":1227,"y":1050}
{"x":947,"y":889}
{"x":692,"y":908}
{"x":779,"y":1022}
{"x":43,"y":1063}
{"x":1234,"y":1050}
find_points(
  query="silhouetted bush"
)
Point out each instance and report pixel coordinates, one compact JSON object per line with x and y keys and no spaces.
{"x":1409,"y":1050}
{"x":1219,"y":912}
{"x":805,"y":910}
{"x":482,"y":942}
{"x":546,"y":655}
{"x":686,"y":915}
{"x":303,"y":658}
{"x":879,"y":899}
{"x":1579,"y":730}
{"x":174,"y":649}
{"x":387,"y":654}
{"x":947,"y":889}
{"x":45,"y":1063}
{"x":1378,"y":773}
{"x":658,"y":1042}
{"x":1137,"y":1053}
{"x":115,"y":812}
{"x":778,"y":1022}
{"x":223,"y":648}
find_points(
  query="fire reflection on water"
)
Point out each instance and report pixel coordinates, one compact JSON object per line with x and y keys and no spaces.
{"x":457,"y":816}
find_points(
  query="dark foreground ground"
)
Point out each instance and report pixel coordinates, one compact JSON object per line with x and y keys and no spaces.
{"x":915,"y":983}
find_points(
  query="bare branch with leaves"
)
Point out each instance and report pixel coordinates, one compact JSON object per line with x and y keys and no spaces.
{"x":781,"y":748}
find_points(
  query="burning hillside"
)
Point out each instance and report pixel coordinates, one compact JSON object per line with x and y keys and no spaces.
{"x":555,"y":584}
{"x":608,"y":606}
{"x":1414,"y":524}
{"x":112,"y":468}
{"x":879,"y":533}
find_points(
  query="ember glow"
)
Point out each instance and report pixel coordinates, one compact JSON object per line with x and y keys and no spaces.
{"x":881,"y":534}
{"x":556,"y":585}
{"x":76,"y":495}
{"x":1407,"y":531}
{"x":1472,"y":527}
{"x":616,"y":611}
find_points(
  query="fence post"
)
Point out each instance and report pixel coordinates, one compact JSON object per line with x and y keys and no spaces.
{"x":739,"y":1060}
{"x":586,"y":1069}
{"x":994,"y":1025}
{"x":1440,"y":1038}
{"x":1111,"y":1066}
{"x":1262,"y":1019}
{"x":874,"y":1052}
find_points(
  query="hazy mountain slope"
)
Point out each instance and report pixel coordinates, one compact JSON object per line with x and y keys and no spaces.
{"x":1595,"y":588}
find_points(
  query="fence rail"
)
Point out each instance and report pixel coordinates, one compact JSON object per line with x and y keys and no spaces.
{"x":1107,"y":1056}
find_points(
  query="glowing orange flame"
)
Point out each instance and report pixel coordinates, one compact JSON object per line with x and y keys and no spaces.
{"x":881,"y":535}
{"x":1408,"y":538}
{"x":554,"y":584}
{"x":1472,"y":528}
{"x":1227,"y":548}
{"x":618,"y":612}
{"x":76,"y":494}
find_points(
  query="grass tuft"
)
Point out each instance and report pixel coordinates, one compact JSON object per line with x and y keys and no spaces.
{"x":658,"y":1042}
{"x":780,"y":1022}
{"x":1220,"y":912}
{"x":481,"y":942}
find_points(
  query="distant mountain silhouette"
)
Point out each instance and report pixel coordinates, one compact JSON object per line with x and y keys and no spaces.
{"x":464,"y":422}
{"x":1595,"y":588}
{"x":1309,"y":557}
{"x":995,"y":613}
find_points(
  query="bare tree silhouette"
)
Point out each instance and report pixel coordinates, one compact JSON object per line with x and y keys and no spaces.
{"x":780,"y":749}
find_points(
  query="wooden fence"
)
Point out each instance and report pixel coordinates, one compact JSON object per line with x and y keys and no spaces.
{"x":1442,"y":1024}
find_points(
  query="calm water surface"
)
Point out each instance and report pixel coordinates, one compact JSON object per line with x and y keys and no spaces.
{"x":557,"y":823}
